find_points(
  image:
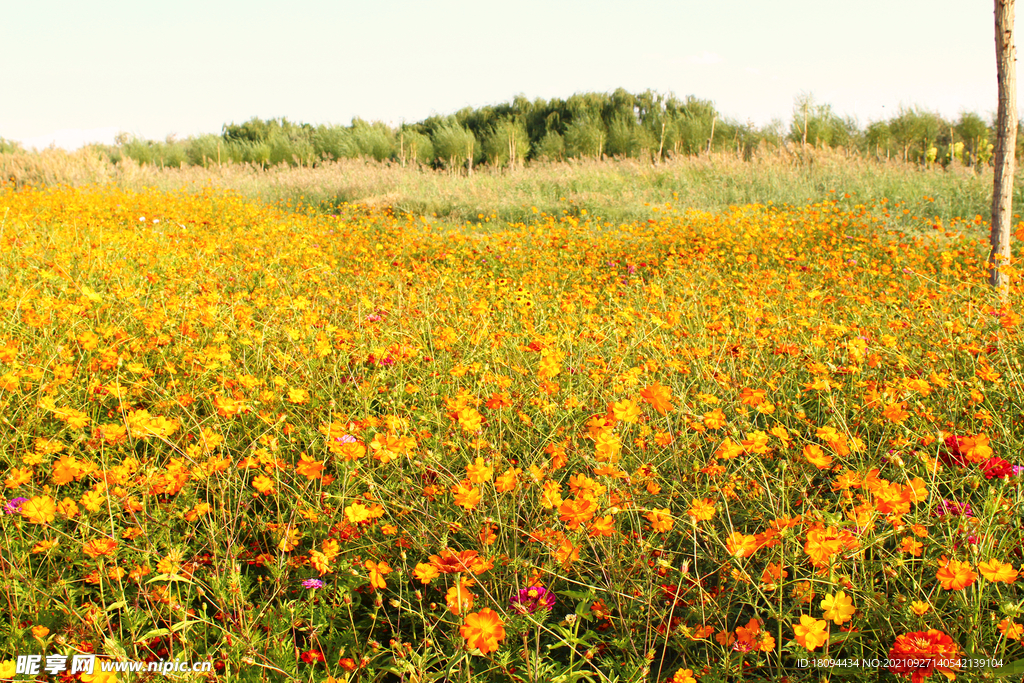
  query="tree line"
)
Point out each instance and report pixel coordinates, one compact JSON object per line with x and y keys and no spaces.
{"x":647,"y":125}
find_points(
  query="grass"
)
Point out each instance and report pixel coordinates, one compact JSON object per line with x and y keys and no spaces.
{"x":617,"y":191}
{"x":368,"y":446}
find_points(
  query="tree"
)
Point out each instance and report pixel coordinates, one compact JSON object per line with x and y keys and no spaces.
{"x":507,"y":143}
{"x":454,"y":146}
{"x":1006,"y":144}
{"x":973,"y":132}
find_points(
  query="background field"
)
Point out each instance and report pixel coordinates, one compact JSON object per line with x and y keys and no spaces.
{"x":614,"y":190}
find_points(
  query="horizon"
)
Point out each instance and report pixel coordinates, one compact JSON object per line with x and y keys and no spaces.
{"x":97,"y":71}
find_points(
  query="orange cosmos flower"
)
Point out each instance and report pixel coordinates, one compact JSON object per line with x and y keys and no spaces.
{"x":576,"y":511}
{"x":425,"y":573}
{"x":357,"y":513}
{"x":822,"y":545}
{"x":377,"y":571}
{"x":452,"y":562}
{"x":310,"y":467}
{"x":811,"y":633}
{"x":483,"y":630}
{"x":701,"y":509}
{"x":43,"y":546}
{"x":499,"y":400}
{"x":508,"y":480}
{"x":683,"y":676}
{"x":1010,"y":629}
{"x":228,"y":407}
{"x":99,"y":547}
{"x":912,"y":547}
{"x":479,"y":472}
{"x":772,"y":574}
{"x":725,"y":638}
{"x":658,"y":397}
{"x":567,"y":553}
{"x":93,"y":501}
{"x":66,"y":469}
{"x":320,"y":562}
{"x":920,"y":608}
{"x":896,"y":412}
{"x":18,"y":476}
{"x":661,"y":520}
{"x":459,"y":597}
{"x":816,"y":456}
{"x":751,"y":637}
{"x":603,"y":526}
{"x":997,"y":571}
{"x":714,"y":419}
{"x":625,"y":410}
{"x":956,"y":575}
{"x":580,"y":484}
{"x":467,"y":496}
{"x":263,"y":484}
{"x":740,"y":545}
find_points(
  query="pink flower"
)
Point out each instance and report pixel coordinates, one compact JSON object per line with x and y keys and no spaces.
{"x":529,"y":600}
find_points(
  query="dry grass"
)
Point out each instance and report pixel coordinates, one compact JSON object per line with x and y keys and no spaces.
{"x":618,"y":190}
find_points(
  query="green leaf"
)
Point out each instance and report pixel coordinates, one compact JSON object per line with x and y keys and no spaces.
{"x":184,"y":624}
{"x":155,"y":633}
{"x":169,"y":577}
{"x":1011,"y":669}
{"x":842,"y":637}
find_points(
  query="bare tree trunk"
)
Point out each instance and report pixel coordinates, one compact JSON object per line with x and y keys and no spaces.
{"x":1006,"y":145}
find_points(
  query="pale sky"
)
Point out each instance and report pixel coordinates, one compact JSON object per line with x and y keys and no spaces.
{"x":78,"y":71}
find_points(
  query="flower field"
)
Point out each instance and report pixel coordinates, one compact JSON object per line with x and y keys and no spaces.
{"x":370,"y":447}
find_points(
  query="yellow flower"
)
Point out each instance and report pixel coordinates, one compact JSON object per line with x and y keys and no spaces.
{"x":839,"y":607}
{"x":810,"y":632}
{"x":263,"y":484}
{"x":479,"y":472}
{"x":356,"y":513}
{"x":93,"y":501}
{"x":39,"y":510}
{"x":920,"y":608}
{"x":627,"y":411}
{"x":425,"y":573}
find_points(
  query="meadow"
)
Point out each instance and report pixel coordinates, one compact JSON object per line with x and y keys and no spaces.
{"x":618,"y":190}
{"x":329,"y":439}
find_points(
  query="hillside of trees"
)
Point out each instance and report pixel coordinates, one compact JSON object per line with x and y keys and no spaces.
{"x":590,"y":125}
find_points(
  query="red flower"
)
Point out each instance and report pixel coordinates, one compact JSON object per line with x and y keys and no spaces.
{"x":952,"y":454}
{"x":921,"y":653}
{"x":997,"y":468}
{"x":313,"y":656}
